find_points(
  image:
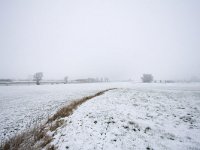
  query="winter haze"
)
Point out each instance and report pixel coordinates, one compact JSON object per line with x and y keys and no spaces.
{"x":100,"y":38}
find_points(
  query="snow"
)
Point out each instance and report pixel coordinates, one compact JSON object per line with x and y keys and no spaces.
{"x":134,"y":116}
{"x":24,"y":106}
{"x":140,"y":116}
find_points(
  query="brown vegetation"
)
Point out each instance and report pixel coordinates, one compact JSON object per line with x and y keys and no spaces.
{"x":56,"y":124}
{"x":66,"y":111}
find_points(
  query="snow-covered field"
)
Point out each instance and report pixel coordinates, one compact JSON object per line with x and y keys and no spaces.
{"x":21,"y":106}
{"x":141,"y":116}
{"x":134,"y":116}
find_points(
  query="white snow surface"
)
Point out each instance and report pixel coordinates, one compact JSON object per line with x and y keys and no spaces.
{"x":140,"y":116}
{"x":24,"y":106}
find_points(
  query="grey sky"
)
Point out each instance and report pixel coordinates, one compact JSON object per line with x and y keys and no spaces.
{"x":119,"y":39}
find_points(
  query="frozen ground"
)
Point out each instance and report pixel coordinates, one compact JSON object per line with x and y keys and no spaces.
{"x":143,"y":116}
{"x":22,"y":106}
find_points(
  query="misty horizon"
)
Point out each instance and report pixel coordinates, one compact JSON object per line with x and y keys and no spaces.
{"x":115,"y":39}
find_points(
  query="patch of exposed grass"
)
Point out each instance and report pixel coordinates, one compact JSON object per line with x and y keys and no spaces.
{"x":56,"y":124}
{"x":27,"y":139}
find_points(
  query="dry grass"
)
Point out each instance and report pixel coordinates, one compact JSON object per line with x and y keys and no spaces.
{"x":56,"y":124}
{"x":14,"y":143}
{"x":27,"y":140}
{"x":51,"y":147}
{"x":37,"y":137}
{"x":46,"y":140}
{"x":68,"y":110}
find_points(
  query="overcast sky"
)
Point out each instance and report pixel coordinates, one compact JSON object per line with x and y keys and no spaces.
{"x":119,"y":39}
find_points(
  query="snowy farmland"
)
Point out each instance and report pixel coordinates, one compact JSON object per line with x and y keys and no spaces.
{"x":144,"y":116}
{"x":134,"y":116}
{"x":23,"y":106}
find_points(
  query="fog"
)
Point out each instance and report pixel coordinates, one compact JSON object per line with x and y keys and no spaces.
{"x":100,"y":38}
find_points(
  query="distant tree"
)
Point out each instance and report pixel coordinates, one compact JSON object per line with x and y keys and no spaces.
{"x":38,"y":77}
{"x":147,"y":78}
{"x":194,"y":79}
{"x":66,"y":79}
{"x":106,"y":80}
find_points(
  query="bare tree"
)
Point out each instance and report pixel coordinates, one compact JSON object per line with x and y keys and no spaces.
{"x":66,"y":79}
{"x":38,"y":77}
{"x":147,"y":78}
